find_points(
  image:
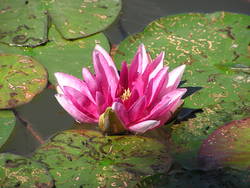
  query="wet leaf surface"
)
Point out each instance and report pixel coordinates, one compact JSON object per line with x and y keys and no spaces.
{"x":60,"y":55}
{"x":213,"y":46}
{"x":18,"y":171}
{"x":227,"y":146}
{"x":7,"y":124}
{"x":21,"y":78}
{"x":23,"y":23}
{"x":88,"y":159}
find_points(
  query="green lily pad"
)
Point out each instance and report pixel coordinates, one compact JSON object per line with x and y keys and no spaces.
{"x":21,"y":78}
{"x":60,"y":55}
{"x":7,"y":124}
{"x":213,"y":46}
{"x":228,"y":146}
{"x":82,"y":18}
{"x":23,"y":23}
{"x":222,"y":178}
{"x":85,"y":158}
{"x":18,"y":171}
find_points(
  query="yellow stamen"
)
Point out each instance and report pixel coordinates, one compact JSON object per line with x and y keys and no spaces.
{"x":126,"y":94}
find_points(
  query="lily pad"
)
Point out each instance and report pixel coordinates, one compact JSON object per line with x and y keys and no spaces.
{"x":60,"y":55}
{"x":228,"y":146}
{"x":85,"y":158}
{"x":17,"y":171}
{"x":23,"y":23}
{"x":82,"y":18}
{"x":213,"y":46}
{"x":21,"y":78}
{"x":7,"y":124}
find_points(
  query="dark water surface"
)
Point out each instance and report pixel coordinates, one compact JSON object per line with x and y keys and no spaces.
{"x":44,"y":117}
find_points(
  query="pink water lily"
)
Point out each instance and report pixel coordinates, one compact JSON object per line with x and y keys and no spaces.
{"x":144,"y":96}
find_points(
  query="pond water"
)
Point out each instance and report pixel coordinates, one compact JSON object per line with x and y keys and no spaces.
{"x":43,"y":117}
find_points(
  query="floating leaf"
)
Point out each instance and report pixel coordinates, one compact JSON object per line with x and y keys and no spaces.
{"x":7,"y":124}
{"x":21,"y":78}
{"x":87,"y":158}
{"x":60,"y":55}
{"x":23,"y":23}
{"x":82,"y":18}
{"x":228,"y":146}
{"x":213,"y":46}
{"x":17,"y":171}
{"x":222,"y":178}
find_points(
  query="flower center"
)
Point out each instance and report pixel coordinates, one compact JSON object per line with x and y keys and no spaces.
{"x":126,"y":94}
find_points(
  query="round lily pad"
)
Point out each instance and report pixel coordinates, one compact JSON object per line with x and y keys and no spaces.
{"x":7,"y":124}
{"x":18,"y":171}
{"x":60,"y":55}
{"x":23,"y":23}
{"x":82,"y":18}
{"x":213,"y":46}
{"x":228,"y":146}
{"x":85,"y":158}
{"x":21,"y":78}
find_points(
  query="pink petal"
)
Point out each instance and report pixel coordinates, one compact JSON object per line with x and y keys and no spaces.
{"x":105,"y":69}
{"x":175,"y":77}
{"x":73,"y":111}
{"x":166,"y":104}
{"x":123,"y":82}
{"x":156,"y":84}
{"x":154,"y":67}
{"x":137,"y":109}
{"x":108,"y":60}
{"x":121,"y":112}
{"x":81,"y":102}
{"x":134,"y":96}
{"x":71,"y":81}
{"x":144,"y":126}
{"x":143,"y":59}
{"x":101,"y":102}
{"x":90,"y":81}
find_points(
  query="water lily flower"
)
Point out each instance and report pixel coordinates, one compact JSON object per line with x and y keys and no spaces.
{"x":144,"y":96}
